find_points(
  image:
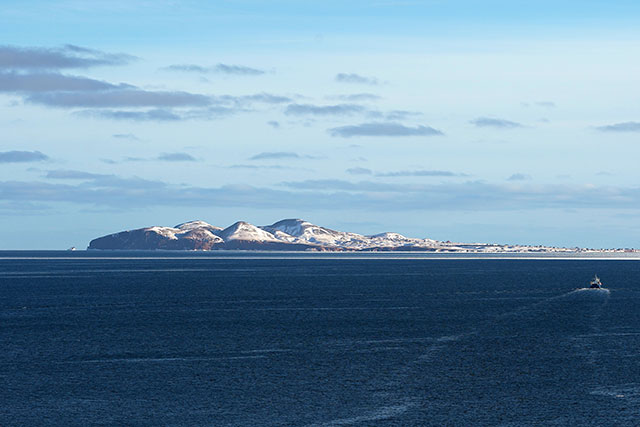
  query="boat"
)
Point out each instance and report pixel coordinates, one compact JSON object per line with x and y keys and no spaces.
{"x":595,"y":283}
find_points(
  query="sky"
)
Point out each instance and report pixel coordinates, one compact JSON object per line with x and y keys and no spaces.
{"x":473,"y":121}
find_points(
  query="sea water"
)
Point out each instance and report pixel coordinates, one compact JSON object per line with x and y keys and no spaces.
{"x":235,"y":339}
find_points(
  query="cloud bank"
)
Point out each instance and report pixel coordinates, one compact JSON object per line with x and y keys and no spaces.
{"x":355,"y":78}
{"x":270,"y":155}
{"x":22,"y":156}
{"x":237,"y":70}
{"x":72,"y":174}
{"x":359,"y":171}
{"x":519,"y":177}
{"x":421,"y":172}
{"x":11,"y":81}
{"x":383,"y":129}
{"x":66,"y":57}
{"x":119,"y":98}
{"x":176,"y":157}
{"x":323,"y":110}
{"x":357,"y":97}
{"x":134,"y":192}
{"x":620,"y":127}
{"x":482,"y":122}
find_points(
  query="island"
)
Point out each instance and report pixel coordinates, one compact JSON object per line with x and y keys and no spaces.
{"x":292,"y":235}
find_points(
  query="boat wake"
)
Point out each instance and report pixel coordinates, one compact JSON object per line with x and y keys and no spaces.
{"x":468,"y":360}
{"x":447,"y":364}
{"x":596,"y":291}
{"x":379,"y":414}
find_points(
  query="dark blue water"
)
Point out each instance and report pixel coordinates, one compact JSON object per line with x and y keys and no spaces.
{"x":320,"y":341}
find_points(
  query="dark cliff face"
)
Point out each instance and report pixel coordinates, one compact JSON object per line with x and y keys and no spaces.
{"x":136,"y":239}
{"x":265,"y":246}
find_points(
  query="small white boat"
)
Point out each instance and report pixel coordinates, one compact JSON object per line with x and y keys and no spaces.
{"x":595,"y":283}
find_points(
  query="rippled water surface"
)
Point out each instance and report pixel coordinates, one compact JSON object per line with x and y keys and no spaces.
{"x":327,"y":340}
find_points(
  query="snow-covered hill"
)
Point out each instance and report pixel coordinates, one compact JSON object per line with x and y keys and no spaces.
{"x":244,"y":231}
{"x":305,"y":232}
{"x":188,"y":236}
{"x":287,"y":234}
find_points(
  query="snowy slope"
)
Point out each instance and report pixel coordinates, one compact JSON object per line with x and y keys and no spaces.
{"x":396,"y":240}
{"x":192,"y":225}
{"x":244,"y":231}
{"x":305,"y":232}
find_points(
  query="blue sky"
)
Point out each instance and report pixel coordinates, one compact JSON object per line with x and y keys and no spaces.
{"x":495,"y":121}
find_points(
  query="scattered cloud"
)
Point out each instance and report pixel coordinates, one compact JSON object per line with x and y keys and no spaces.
{"x":361,"y":186}
{"x":495,"y":123}
{"x":238,"y":70}
{"x":347,"y":110}
{"x":519,"y":177}
{"x":279,"y":167}
{"x":189,"y":68}
{"x":34,"y":75}
{"x":357,"y":97}
{"x":158,"y":115}
{"x":274,"y":124}
{"x":383,"y":129}
{"x":263,"y":97}
{"x":355,"y":78}
{"x":22,"y":156}
{"x":394,"y":114}
{"x":65,"y":91}
{"x":270,"y":155}
{"x":620,"y":127}
{"x":164,"y":157}
{"x":176,"y":157}
{"x":323,"y":110}
{"x":359,"y":171}
{"x":125,"y":136}
{"x":336,"y":184}
{"x":420,"y":172}
{"x":65,"y":57}
{"x":119,"y":98}
{"x":50,"y":82}
{"x":72,"y":175}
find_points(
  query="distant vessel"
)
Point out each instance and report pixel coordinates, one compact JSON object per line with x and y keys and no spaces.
{"x":595,"y":283}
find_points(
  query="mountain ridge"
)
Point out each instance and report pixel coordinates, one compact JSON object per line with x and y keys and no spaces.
{"x":291,"y":234}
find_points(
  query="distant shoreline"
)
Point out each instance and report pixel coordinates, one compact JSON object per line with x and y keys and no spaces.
{"x":346,"y":255}
{"x":298,"y":235}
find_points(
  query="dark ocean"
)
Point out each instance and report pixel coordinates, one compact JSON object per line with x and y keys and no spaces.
{"x":280,"y":339}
